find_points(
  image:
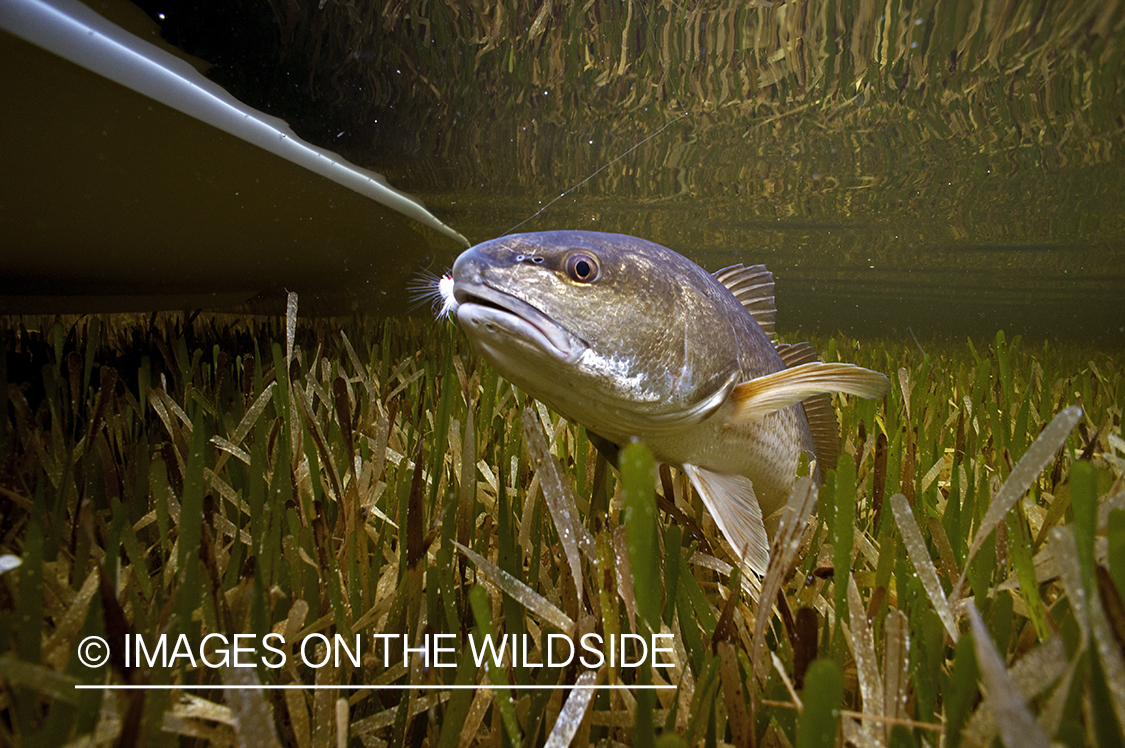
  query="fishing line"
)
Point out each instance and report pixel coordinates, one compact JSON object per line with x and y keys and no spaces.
{"x":438,"y":289}
{"x":596,"y":173}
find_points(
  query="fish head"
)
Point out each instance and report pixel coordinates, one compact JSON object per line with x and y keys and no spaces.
{"x":615,"y":331}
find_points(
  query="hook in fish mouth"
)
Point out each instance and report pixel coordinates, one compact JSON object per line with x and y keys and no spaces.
{"x":485,"y":311}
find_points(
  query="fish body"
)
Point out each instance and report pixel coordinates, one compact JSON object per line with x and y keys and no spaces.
{"x":635,"y":341}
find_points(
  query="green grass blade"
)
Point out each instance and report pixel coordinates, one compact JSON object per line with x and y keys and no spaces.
{"x":638,"y":475}
{"x":502,"y":697}
{"x":823,"y":698}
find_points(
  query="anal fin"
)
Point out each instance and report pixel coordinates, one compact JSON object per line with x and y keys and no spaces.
{"x":731,"y":501}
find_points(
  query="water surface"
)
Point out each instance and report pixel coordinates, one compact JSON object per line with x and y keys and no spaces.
{"x":938,"y":166}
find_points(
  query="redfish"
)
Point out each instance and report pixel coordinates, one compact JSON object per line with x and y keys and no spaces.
{"x":635,"y":341}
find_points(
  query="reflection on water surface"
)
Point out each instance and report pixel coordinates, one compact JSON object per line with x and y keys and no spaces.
{"x":943,"y":166}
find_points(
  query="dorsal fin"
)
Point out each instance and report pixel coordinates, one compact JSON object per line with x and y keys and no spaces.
{"x":795,"y":354}
{"x":753,"y":287}
{"x":818,"y":409}
{"x":825,"y":431}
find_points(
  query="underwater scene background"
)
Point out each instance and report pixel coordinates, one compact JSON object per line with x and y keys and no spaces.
{"x":937,"y":188}
{"x":948,"y":167}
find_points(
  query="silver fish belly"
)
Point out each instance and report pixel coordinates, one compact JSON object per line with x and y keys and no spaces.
{"x":635,"y":341}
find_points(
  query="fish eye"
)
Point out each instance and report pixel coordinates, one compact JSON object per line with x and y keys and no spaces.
{"x":582,"y":268}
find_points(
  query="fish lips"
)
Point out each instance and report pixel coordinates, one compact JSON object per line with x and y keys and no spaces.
{"x":489,"y":314}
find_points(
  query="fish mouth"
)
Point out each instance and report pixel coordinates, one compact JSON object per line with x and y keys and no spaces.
{"x":491,"y":312}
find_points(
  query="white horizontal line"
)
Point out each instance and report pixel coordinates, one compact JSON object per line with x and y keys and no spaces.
{"x":295,"y":687}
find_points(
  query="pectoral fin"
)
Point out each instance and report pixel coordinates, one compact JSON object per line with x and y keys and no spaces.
{"x":731,"y":501}
{"x":758,"y":397}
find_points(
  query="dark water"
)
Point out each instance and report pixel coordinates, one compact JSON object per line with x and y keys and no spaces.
{"x":872,"y":232}
{"x":941,"y":167}
{"x":935,"y":167}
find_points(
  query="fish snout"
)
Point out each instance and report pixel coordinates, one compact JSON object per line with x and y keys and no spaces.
{"x":468,"y":267}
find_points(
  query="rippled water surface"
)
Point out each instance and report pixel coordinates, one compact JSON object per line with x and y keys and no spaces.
{"x":937,"y":167}
{"x":866,"y":230}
